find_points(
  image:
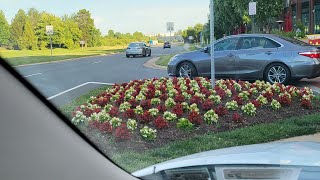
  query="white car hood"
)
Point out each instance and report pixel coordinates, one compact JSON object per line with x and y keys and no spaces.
{"x":280,"y":153}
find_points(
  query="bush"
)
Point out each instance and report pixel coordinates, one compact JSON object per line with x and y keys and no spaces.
{"x":211,"y":117}
{"x":161,"y":123}
{"x":122,"y":133}
{"x":184,"y":124}
{"x":148,"y":133}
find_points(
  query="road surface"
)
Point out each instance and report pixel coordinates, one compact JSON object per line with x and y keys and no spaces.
{"x":62,"y":82}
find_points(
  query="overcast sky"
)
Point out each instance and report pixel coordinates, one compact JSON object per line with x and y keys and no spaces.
{"x":147,"y":16}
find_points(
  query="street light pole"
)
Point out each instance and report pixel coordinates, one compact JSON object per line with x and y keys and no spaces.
{"x":212,"y":43}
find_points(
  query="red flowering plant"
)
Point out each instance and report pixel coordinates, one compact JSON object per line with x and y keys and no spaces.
{"x":256,"y":103}
{"x":207,"y":104}
{"x":195,"y":118}
{"x":122,"y":133}
{"x":161,"y":123}
{"x":284,"y":99}
{"x":306,"y":103}
{"x":114,"y":111}
{"x":162,"y":108}
{"x":221,"y":111}
{"x":105,"y":127}
{"x":236,"y":117}
{"x":145,"y":118}
{"x":178,"y":110}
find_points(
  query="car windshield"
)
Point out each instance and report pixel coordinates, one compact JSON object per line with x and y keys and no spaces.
{"x":135,"y":45}
{"x":145,"y":87}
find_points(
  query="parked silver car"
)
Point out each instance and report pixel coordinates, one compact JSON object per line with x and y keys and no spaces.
{"x":250,"y":57}
{"x":138,"y":49}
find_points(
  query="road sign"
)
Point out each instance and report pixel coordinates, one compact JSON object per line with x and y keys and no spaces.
{"x":252,"y":8}
{"x":49,"y":30}
{"x":170,"y":26}
{"x":82,"y":42}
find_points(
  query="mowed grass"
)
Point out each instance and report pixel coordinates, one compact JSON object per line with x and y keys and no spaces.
{"x":263,"y":133}
{"x":164,"y":60}
{"x":22,"y":57}
{"x":70,"y":107}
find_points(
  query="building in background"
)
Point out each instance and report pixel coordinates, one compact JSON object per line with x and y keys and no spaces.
{"x":306,"y":11}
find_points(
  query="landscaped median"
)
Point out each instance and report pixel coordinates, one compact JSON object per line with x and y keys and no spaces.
{"x":164,"y":60}
{"x":144,"y":122}
{"x":24,"y":57}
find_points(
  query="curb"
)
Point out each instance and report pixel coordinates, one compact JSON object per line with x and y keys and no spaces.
{"x":65,"y":60}
{"x":152,"y":64}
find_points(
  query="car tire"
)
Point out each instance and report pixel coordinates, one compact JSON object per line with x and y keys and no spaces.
{"x":277,"y":73}
{"x":127,"y":56}
{"x":144,"y":54}
{"x":149,"y":53}
{"x":189,"y":67}
{"x":133,"y":56}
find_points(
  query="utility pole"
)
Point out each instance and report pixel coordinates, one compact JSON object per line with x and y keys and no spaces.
{"x":212,"y":43}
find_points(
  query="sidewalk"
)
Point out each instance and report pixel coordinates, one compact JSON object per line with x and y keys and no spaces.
{"x":313,"y":138}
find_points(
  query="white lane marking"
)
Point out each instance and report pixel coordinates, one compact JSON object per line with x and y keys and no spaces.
{"x":71,"y":89}
{"x":97,"y":62}
{"x":32,"y":75}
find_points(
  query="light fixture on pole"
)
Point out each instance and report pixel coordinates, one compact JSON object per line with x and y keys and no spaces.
{"x":280,"y":22}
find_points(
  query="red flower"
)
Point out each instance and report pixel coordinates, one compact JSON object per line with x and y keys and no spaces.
{"x":221,"y":111}
{"x":145,"y":118}
{"x":129,"y":113}
{"x":284,"y":100}
{"x":122,"y":133}
{"x":305,"y":103}
{"x":163,"y":89}
{"x":161,"y":123}
{"x":256,"y":103}
{"x":88,"y":112}
{"x":196,"y":99}
{"x":178,"y":110}
{"x":133,"y":102}
{"x":236,"y":117}
{"x":105,"y":127}
{"x":146,"y":104}
{"x":205,"y":91}
{"x":268,"y":95}
{"x":175,"y":80}
{"x":94,"y":124}
{"x":195,"y":118}
{"x":208,"y":104}
{"x":162,"y":108}
{"x":114,"y":111}
{"x":238,"y":100}
{"x":164,"y":97}
{"x":179,"y":98}
{"x":220,"y":92}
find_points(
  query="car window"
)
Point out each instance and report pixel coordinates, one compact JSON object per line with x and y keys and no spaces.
{"x":294,"y":40}
{"x":257,"y":43}
{"x":227,"y":44}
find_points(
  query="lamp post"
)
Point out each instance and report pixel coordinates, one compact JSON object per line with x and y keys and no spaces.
{"x":280,"y":22}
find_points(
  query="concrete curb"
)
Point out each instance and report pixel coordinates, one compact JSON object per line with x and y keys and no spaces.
{"x":152,"y":64}
{"x":309,"y":138}
{"x":65,"y":60}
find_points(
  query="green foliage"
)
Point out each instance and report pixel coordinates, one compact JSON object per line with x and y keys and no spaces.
{"x":291,"y":34}
{"x":302,"y":28}
{"x":4,"y":30}
{"x":184,"y":124}
{"x":17,"y":27}
{"x":28,"y":40}
{"x":148,"y":133}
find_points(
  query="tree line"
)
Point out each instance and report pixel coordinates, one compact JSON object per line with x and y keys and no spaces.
{"x":232,"y":14}
{"x":28,"y":31}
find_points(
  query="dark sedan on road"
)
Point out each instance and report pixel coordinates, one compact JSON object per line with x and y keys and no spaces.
{"x":138,"y":49}
{"x":250,"y":57}
{"x":166,"y":45}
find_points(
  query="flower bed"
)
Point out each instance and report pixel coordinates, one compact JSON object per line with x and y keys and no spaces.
{"x":149,"y":113}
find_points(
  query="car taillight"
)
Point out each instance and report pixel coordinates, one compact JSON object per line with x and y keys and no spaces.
{"x":315,"y":55}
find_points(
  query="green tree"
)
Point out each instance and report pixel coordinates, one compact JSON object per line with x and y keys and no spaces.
{"x":28,"y":40}
{"x":72,"y":33}
{"x":34,"y":16}
{"x":86,"y":25}
{"x":111,"y":33}
{"x":4,"y":30}
{"x":17,"y":27}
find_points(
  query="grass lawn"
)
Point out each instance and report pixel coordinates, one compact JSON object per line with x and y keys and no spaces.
{"x":164,"y":60}
{"x":70,"y":107}
{"x":262,"y":133}
{"x":193,"y":47}
{"x":22,"y":57}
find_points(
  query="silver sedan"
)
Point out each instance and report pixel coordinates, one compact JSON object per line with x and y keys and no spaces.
{"x":272,"y":58}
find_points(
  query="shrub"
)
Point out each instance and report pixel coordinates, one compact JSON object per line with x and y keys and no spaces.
{"x":221,"y":111}
{"x":178,"y":110}
{"x":105,"y":127}
{"x":185,"y":106}
{"x":236,"y":117}
{"x":215,"y":99}
{"x":275,"y":105}
{"x":161,"y":123}
{"x":154,"y":112}
{"x":262,"y":100}
{"x":179,"y":98}
{"x":170,"y":103}
{"x":138,"y":110}
{"x":195,"y":117}
{"x":132,"y":124}
{"x":148,"y":133}
{"x":115,"y":122}
{"x":306,"y":103}
{"x":114,"y":112}
{"x":210,"y":117}
{"x":122,"y":133}
{"x":94,"y":124}
{"x":169,"y":116}
{"x":146,"y":117}
{"x":155,"y":101}
{"x":124,"y":106}
{"x":256,"y":103}
{"x":238,"y":100}
{"x":184,"y":124}
{"x":196,"y":100}
{"x":129,"y":113}
{"x":208,"y":104}
{"x":249,"y":109}
{"x":146,"y":104}
{"x":161,"y":108}
{"x":284,"y":100}
{"x":232,"y":105}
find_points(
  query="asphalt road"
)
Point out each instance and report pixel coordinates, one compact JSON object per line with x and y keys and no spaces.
{"x":62,"y":82}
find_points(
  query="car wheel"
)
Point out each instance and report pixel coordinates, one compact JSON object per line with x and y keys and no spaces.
{"x":144,"y":54}
{"x":133,"y":56}
{"x":127,"y":56}
{"x":149,"y":53}
{"x":277,"y":73}
{"x":187,"y":70}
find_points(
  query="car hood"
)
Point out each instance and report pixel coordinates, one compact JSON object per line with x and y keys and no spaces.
{"x":280,"y":153}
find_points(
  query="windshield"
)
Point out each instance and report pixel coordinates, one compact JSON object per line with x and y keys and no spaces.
{"x":136,"y":45}
{"x":171,"y":97}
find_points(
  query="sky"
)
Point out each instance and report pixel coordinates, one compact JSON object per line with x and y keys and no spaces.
{"x":147,"y":16}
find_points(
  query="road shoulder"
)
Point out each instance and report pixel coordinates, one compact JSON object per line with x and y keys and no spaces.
{"x":152,"y":64}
